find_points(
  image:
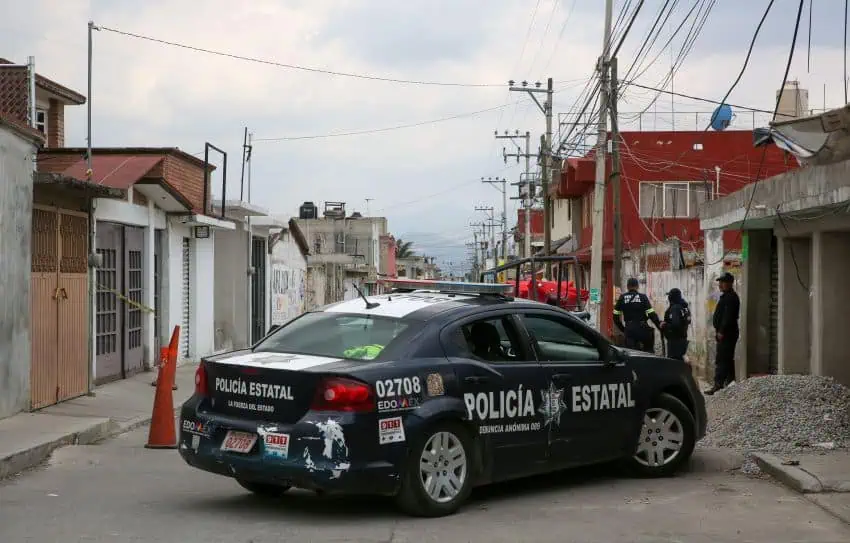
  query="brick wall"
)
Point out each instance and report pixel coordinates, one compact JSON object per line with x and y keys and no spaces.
{"x":187,"y":178}
{"x":56,"y":124}
{"x":14,"y":93}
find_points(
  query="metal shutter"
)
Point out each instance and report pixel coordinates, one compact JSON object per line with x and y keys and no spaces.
{"x":773,"y":359}
{"x":184,"y":321}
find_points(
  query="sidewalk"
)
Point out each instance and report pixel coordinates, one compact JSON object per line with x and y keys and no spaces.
{"x":823,"y":477}
{"x":28,"y":439}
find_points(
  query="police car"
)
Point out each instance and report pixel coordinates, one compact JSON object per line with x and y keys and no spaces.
{"x":424,"y":393}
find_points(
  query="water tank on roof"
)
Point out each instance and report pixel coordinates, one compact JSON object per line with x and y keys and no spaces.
{"x":308,"y":210}
{"x":721,"y":118}
{"x":356,"y":215}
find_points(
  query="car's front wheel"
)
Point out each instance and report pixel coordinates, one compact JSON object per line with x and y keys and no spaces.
{"x":265,"y":490}
{"x":437,"y":478}
{"x":667,"y":438}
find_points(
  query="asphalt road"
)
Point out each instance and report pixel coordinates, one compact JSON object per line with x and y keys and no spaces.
{"x":118,"y":491}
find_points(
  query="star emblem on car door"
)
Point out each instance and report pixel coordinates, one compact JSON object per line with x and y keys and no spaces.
{"x":552,"y":405}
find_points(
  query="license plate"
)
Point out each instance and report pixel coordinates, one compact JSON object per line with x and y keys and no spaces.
{"x":240,"y":442}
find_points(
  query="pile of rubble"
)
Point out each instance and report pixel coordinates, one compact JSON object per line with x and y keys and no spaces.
{"x":780,"y":414}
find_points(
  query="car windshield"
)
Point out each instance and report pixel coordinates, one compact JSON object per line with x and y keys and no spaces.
{"x":335,"y":335}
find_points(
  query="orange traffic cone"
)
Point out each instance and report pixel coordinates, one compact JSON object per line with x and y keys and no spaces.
{"x":163,"y":434}
{"x":163,"y":359}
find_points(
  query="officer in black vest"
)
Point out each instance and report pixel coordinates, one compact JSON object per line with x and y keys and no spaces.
{"x":726,"y":331}
{"x":635,"y":309}
{"x":677,"y":319}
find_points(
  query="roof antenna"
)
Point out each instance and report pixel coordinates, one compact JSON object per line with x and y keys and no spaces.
{"x":369,"y":305}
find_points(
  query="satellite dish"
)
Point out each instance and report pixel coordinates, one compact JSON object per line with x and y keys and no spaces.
{"x":721,"y":118}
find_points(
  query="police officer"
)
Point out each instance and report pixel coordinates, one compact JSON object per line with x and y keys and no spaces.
{"x":635,"y":309}
{"x":674,"y":327}
{"x":726,"y":331}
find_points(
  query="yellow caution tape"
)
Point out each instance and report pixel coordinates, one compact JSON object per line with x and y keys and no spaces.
{"x":127,"y":300}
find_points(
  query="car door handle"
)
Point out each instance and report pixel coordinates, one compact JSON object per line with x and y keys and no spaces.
{"x":562,"y":377}
{"x":475,"y":380}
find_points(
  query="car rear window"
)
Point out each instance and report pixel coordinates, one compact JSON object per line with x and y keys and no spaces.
{"x":335,"y":335}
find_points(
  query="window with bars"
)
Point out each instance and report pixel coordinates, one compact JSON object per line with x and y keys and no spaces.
{"x":673,"y":200}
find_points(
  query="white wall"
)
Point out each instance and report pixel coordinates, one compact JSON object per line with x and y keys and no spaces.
{"x":230,"y":290}
{"x":288,"y":280}
{"x":202,"y":279}
{"x":562,"y":225}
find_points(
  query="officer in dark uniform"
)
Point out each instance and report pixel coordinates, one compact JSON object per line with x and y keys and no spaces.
{"x":726,"y":331}
{"x":674,"y":327}
{"x":635,"y":309}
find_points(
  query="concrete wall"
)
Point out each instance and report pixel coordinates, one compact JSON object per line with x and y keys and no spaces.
{"x":795,"y":316}
{"x":16,"y":169}
{"x":316,"y":286}
{"x":830,"y":298}
{"x":230,"y":290}
{"x":657,"y":283}
{"x":287,"y":293}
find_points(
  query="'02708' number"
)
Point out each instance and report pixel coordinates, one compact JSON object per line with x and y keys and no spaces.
{"x":388,"y":388}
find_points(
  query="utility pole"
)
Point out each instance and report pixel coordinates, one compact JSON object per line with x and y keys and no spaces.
{"x":546,"y":152}
{"x":616,"y":180}
{"x":89,"y":172}
{"x":528,"y":200}
{"x":598,"y":222}
{"x":491,"y":223}
{"x":504,"y":182}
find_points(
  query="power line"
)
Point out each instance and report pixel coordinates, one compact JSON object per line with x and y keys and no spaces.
{"x":297,"y":66}
{"x":776,"y":109}
{"x":697,"y":98}
{"x":402,"y":126}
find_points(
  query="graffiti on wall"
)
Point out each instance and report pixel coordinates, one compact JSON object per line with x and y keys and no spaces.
{"x":287,"y":293}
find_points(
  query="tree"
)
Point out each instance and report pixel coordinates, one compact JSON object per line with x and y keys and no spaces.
{"x":403,"y":249}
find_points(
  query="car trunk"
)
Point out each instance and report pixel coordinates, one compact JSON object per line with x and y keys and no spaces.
{"x":259,"y":392}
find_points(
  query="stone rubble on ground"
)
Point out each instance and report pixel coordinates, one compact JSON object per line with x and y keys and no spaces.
{"x":781,"y":414}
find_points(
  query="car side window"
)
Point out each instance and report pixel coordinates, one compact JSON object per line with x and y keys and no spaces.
{"x":492,"y":340}
{"x":558,"y":341}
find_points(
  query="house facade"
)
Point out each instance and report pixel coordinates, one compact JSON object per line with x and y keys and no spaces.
{"x":665,"y":178}
{"x":793,"y":263}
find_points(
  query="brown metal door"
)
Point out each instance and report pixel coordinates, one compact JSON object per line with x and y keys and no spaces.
{"x":72,"y":306}
{"x":44,"y":283}
{"x":109,"y":321}
{"x":134,"y":351}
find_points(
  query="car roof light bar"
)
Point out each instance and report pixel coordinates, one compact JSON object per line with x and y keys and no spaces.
{"x":453,"y":287}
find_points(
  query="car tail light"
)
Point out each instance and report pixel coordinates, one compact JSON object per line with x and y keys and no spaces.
{"x":338,"y":394}
{"x":201,"y":388}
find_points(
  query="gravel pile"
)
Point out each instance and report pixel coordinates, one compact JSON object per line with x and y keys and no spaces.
{"x":781,"y":414}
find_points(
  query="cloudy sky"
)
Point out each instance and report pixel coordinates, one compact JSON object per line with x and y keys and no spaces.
{"x":424,"y":178}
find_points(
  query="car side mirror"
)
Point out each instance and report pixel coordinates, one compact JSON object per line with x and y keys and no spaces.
{"x":273,"y":328}
{"x":612,"y":355}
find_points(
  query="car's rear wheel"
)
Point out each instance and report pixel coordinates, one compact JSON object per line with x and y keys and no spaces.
{"x":437,"y":478}
{"x":265,"y":490}
{"x":667,"y":438}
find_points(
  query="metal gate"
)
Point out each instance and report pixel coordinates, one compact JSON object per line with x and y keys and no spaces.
{"x":119,"y":328}
{"x":186,"y":299}
{"x":134,"y":349}
{"x":59,"y":304}
{"x":109,"y":322}
{"x":773,"y":358}
{"x":258,"y":289}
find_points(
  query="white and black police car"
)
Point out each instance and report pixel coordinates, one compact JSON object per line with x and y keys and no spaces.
{"x":424,"y":393}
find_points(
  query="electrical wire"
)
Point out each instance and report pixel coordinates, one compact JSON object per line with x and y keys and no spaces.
{"x":297,"y":66}
{"x":776,"y":109}
{"x":402,"y":126}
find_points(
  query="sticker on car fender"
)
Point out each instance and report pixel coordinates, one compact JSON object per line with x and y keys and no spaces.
{"x":276,"y":444}
{"x":434,"y":383}
{"x":390,"y":430}
{"x":400,"y":386}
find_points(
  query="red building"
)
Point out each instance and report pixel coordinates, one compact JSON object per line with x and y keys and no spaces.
{"x":665,"y":176}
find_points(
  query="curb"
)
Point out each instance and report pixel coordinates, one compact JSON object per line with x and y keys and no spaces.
{"x":99,"y":431}
{"x":32,"y":457}
{"x":712,"y":459}
{"x":791,"y":476}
